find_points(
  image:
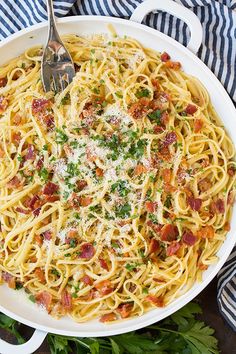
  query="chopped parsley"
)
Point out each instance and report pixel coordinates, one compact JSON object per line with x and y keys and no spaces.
{"x":123,"y":211}
{"x":55,"y":272}
{"x":121,"y":187}
{"x":66,"y":99}
{"x":61,"y":137}
{"x":45,"y":147}
{"x":20,"y":158}
{"x":32,"y":298}
{"x":145,"y":291}
{"x":167,"y":203}
{"x":155,"y":116}
{"x":136,"y":150}
{"x":43,"y":174}
{"x":131,"y":266}
{"x":73,"y":243}
{"x":142,"y":93}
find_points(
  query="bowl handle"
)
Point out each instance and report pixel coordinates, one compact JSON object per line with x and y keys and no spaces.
{"x":27,"y":348}
{"x":174,"y":9}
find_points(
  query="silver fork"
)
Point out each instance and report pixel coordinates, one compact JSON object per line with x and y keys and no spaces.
{"x":57,"y":67}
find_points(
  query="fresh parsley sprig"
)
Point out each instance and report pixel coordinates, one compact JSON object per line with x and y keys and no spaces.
{"x":180,"y":333}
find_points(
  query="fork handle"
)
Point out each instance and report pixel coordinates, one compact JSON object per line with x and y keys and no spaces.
{"x":52,"y":33}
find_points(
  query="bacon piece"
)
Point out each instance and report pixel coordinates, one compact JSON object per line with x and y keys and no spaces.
{"x":15,"y":182}
{"x":230,"y":198}
{"x":156,"y":227}
{"x":50,"y":188}
{"x":74,"y":201}
{"x":66,"y":300}
{"x":36,"y":212}
{"x":140,"y":108}
{"x":39,"y":273}
{"x":99,"y":172}
{"x":48,"y":120}
{"x":124,"y":310}
{"x":108,"y":317}
{"x":206,"y":232}
{"x":9,"y":279}
{"x":165,"y":118}
{"x":90,"y":156}
{"x":169,"y":232}
{"x":154,"y":246}
{"x":30,"y":155}
{"x":81,"y":184}
{"x":72,"y":233}
{"x":87,"y":280}
{"x":156,"y":84}
{"x":158,"y":129}
{"x":17,"y":119}
{"x":218,"y":206}
{"x":87,"y":251}
{"x":188,"y":238}
{"x":3,"y":104}
{"x":51,"y":198}
{"x":204,"y":184}
{"x":161,"y":101}
{"x":47,"y":235}
{"x":227,"y":226}
{"x":165,"y":57}
{"x":39,"y":105}
{"x":197,"y":125}
{"x":155,"y":300}
{"x":231,"y":171}
{"x":170,"y":138}
{"x":151,"y":206}
{"x":16,"y":138}
{"x":194,"y":203}
{"x":92,"y":108}
{"x":38,"y":240}
{"x":2,"y":152}
{"x":168,"y":188}
{"x":34,"y":202}
{"x":140,"y":169}
{"x":85,"y":201}
{"x":22,"y":211}
{"x":175,"y":65}
{"x":3,"y":81}
{"x":39,"y":163}
{"x":44,"y":298}
{"x":191,"y":109}
{"x":172,"y":248}
{"x":166,"y":175}
{"x":103,"y":264}
{"x":104,"y":287}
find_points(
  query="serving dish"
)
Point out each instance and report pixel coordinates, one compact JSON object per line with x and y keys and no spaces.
{"x":14,"y":304}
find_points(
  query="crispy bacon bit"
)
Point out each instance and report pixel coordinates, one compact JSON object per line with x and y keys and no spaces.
{"x":48,"y":120}
{"x":164,"y":153}
{"x":202,"y":266}
{"x":38,"y":239}
{"x":158,"y":129}
{"x":157,"y":301}
{"x":169,"y":188}
{"x":197,"y":125}
{"x":9,"y":279}
{"x":51,"y":198}
{"x":230,"y":198}
{"x":50,"y":188}
{"x":36,"y":212}
{"x":87,"y":280}
{"x":231,"y":171}
{"x":92,"y":108}
{"x":39,"y":273}
{"x":66,"y":300}
{"x":170,"y":138}
{"x":191,"y":109}
{"x":99,"y":172}
{"x":17,"y":119}
{"x":34,"y":202}
{"x":44,"y":298}
{"x":166,"y":175}
{"x":150,"y":206}
{"x":103,"y":264}
{"x":218,"y":206}
{"x":108,"y":317}
{"x":124,"y":310}
{"x":85,"y":201}
{"x":104,"y":287}
{"x":3,"y":81}
{"x":204,"y":185}
{"x":172,"y":248}
{"x":74,"y":201}
{"x":165,"y":118}
{"x":175,"y":65}
{"x":161,"y":101}
{"x":154,"y":246}
{"x":30,"y":155}
{"x":39,"y":105}
{"x":87,"y":251}
{"x":140,"y":169}
{"x":140,"y":108}
{"x":2,"y":152}
{"x":155,"y":84}
{"x":15,"y":182}
{"x":3,"y":104}
{"x":194,"y":203}
{"x":90,"y":156}
{"x":47,"y":235}
{"x":155,"y":227}
{"x":39,"y":163}
{"x":22,"y":211}
{"x":16,"y":138}
{"x":169,"y":232}
{"x":81,"y":184}
{"x":206,"y":232}
{"x":165,"y":57}
{"x":189,"y":238}
{"x":227,"y":226}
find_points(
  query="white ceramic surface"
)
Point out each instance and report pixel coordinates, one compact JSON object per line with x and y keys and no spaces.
{"x":14,"y":303}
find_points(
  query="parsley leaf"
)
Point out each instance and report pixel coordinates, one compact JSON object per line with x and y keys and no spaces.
{"x":142,"y":93}
{"x":121,"y":187}
{"x":123,"y":211}
{"x":61,"y":137}
{"x":155,"y":116}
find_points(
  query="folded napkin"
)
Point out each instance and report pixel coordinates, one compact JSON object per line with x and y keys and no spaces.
{"x":218,"y":51}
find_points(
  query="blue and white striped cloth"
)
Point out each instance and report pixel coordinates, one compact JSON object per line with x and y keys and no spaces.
{"x":218,"y":51}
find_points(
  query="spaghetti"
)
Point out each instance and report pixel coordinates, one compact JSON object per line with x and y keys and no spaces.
{"x":115,"y":194}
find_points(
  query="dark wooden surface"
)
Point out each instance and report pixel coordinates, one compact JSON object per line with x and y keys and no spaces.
{"x":211,"y":315}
